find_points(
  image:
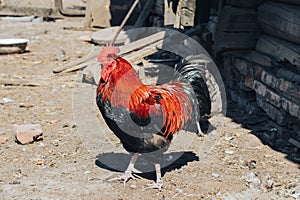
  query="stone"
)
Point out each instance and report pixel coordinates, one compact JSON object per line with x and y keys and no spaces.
{"x":28,"y":133}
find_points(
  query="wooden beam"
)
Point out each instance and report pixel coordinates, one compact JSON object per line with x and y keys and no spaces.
{"x":279,"y":49}
{"x":280,"y":20}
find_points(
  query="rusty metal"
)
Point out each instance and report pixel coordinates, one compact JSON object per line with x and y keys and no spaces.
{"x":62,"y":11}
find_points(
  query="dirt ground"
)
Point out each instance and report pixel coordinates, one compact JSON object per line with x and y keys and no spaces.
{"x":230,"y":163}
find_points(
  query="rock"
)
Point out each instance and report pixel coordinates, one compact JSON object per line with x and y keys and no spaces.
{"x":28,"y":133}
{"x":251,"y":179}
{"x":7,"y":100}
{"x":3,"y":139}
{"x":133,"y":186}
{"x":215,"y":175}
{"x":229,"y":152}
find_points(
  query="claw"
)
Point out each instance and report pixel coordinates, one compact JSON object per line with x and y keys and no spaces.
{"x":158,"y":185}
{"x":125,"y":177}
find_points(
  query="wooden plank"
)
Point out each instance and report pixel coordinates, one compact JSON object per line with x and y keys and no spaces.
{"x":17,"y":82}
{"x":82,"y":62}
{"x":151,"y":43}
{"x":279,"y":49}
{"x":237,"y":29}
{"x":280,"y":20}
{"x":27,"y":11}
{"x":238,"y":20}
{"x":169,"y":42}
{"x":296,"y":2}
{"x":143,"y":47}
{"x":251,"y":56}
{"x":170,"y":39}
{"x":236,"y":40}
{"x":243,"y":3}
{"x":82,"y":65}
{"x":91,"y":55}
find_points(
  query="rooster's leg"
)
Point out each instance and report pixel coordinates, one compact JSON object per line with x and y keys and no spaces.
{"x":128,"y":173}
{"x":159,"y":182}
{"x":200,"y":133}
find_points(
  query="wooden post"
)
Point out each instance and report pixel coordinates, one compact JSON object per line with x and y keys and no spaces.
{"x":185,"y":14}
{"x":98,"y":13}
{"x":169,"y":17}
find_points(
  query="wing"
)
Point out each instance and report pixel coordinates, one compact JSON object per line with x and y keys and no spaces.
{"x":166,"y":108}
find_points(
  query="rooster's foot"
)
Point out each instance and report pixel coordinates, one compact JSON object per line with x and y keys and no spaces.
{"x":158,"y":185}
{"x":201,"y":134}
{"x":124,"y":178}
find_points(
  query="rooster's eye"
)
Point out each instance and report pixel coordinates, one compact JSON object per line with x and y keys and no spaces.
{"x":158,"y":97}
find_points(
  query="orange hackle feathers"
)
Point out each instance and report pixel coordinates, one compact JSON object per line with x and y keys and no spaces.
{"x":175,"y":106}
{"x":170,"y":100}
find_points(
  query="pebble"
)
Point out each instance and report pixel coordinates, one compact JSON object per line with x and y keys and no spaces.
{"x":178,"y":190}
{"x":7,"y":100}
{"x":42,"y":144}
{"x":3,"y":139}
{"x":229,"y":138}
{"x":215,"y":175}
{"x":268,"y":156}
{"x":132,"y":186}
{"x":230,"y":152}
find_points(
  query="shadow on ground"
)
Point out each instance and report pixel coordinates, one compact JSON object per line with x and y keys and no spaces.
{"x":266,"y":130}
{"x":118,"y":162}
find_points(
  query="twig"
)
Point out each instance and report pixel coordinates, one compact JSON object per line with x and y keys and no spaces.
{"x":124,"y":21}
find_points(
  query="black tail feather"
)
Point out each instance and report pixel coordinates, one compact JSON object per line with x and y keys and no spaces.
{"x":191,"y":70}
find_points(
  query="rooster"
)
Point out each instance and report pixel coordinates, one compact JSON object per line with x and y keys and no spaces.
{"x":145,"y":118}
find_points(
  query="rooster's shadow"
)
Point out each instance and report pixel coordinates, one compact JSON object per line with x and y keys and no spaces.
{"x":118,"y":162}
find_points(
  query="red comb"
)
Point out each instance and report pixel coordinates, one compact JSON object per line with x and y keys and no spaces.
{"x":106,"y":51}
